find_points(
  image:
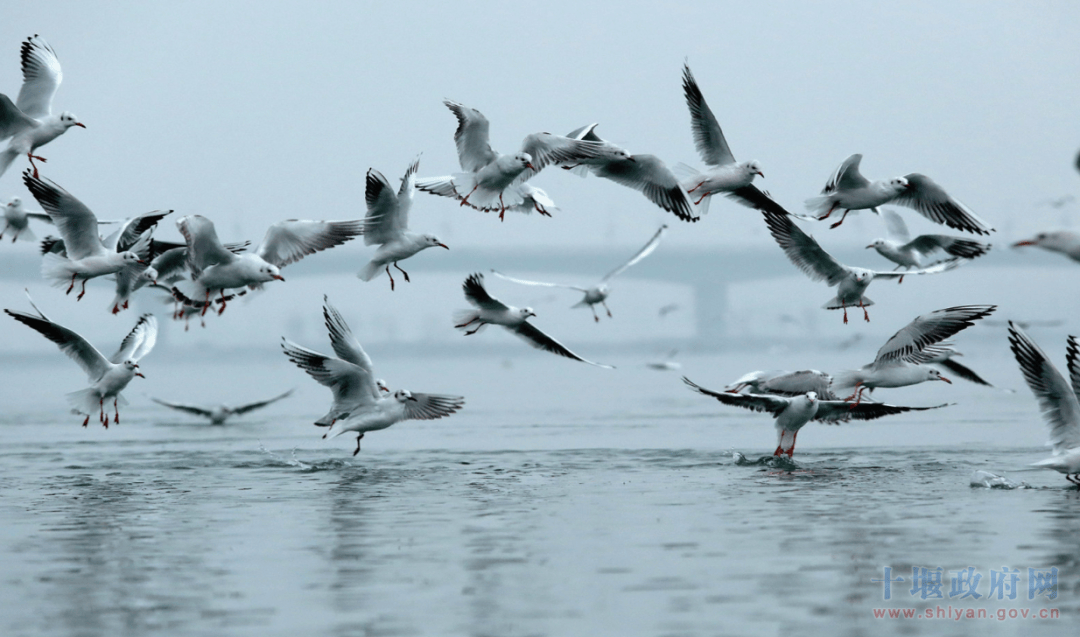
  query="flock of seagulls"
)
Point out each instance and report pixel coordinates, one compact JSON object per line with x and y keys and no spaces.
{"x":203,"y":273}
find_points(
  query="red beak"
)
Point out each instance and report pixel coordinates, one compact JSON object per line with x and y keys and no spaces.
{"x":530,"y":166}
{"x":80,"y":124}
{"x":945,"y":379}
{"x":139,"y":374}
{"x":443,"y":245}
{"x":278,"y":277}
{"x":1025,"y":242}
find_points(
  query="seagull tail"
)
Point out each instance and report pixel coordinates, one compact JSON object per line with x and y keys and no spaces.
{"x":442,"y":186}
{"x":581,"y":170}
{"x":56,"y":269}
{"x":844,"y":382}
{"x":370,"y":271}
{"x":581,"y":303}
{"x":836,"y":304}
{"x":466,"y":319}
{"x":820,"y":205}
{"x":6,"y":158}
{"x":88,"y":401}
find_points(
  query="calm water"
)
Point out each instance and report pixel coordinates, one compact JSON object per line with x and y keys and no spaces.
{"x":563,"y":500}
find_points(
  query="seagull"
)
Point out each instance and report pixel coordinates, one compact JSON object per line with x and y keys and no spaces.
{"x":1063,"y":241}
{"x":784,"y":383}
{"x":908,"y":253}
{"x":724,"y":175}
{"x":794,"y":412}
{"x":645,"y":173}
{"x":599,"y":292}
{"x":359,"y":404}
{"x":87,"y":257}
{"x":1058,"y":400}
{"x":808,"y":256}
{"x":29,"y":122}
{"x":904,"y":359}
{"x":387,"y":224}
{"x":18,"y":221}
{"x":490,"y":180}
{"x":219,"y":414}
{"x":108,"y":376}
{"x":493,"y":311}
{"x":943,"y":354}
{"x":668,"y":364}
{"x":215,"y":269}
{"x":848,"y":189}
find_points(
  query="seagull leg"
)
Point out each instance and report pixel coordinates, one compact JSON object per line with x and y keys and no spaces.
{"x":466,"y":324}
{"x":206,"y":303}
{"x":864,"y":312}
{"x":474,"y":331}
{"x":702,"y":198}
{"x":81,"y":292}
{"x":502,"y":207}
{"x":86,"y":420}
{"x":222,"y":301}
{"x":844,"y":306}
{"x":403,"y":272}
{"x":72,"y":286}
{"x":700,"y":184}
{"x":608,"y":309}
{"x":594,"y":316}
{"x":541,"y":210}
{"x":826,"y":215}
{"x":465,"y":199}
{"x":779,"y":451}
{"x":358,"y":437}
{"x":32,"y":164}
{"x":117,"y":410}
{"x":854,"y":393}
{"x":391,"y":277}
{"x":104,"y":420}
{"x":837,"y":224}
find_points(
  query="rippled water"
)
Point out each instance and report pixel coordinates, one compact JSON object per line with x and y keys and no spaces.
{"x":563,"y":500}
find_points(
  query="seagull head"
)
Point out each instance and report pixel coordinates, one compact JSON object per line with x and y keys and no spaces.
{"x":130,"y":257}
{"x":878,"y":243}
{"x":899,"y":183}
{"x":933,"y":374}
{"x":271,"y":273}
{"x":526,"y":312}
{"x":754,"y":168}
{"x":525,"y":159}
{"x":133,"y":366}
{"x":381,"y":384}
{"x":68,"y":119}
{"x":431,"y":241}
{"x":403,"y":395}
{"x":150,"y":274}
{"x":14,"y":203}
{"x":811,"y":397}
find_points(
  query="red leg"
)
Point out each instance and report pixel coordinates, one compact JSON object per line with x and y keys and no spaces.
{"x":837,"y":224}
{"x":700,"y":184}
{"x":843,"y":305}
{"x":826,"y":215}
{"x":856,"y":392}
{"x":222,"y":309}
{"x":864,"y":313}
{"x":117,"y":420}
{"x":402,"y":271}
{"x":465,"y":200}
{"x":466,"y":324}
{"x":86,"y":420}
{"x":72,"y":286}
{"x":779,"y":451}
{"x":701,"y":198}
{"x":391,"y":277}
{"x":34,"y":166}
{"x":206,"y":303}
{"x":502,"y":208}
{"x":82,"y":292}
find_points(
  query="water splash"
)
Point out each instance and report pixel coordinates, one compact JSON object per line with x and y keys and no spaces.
{"x":987,"y":480}
{"x":783,"y":463}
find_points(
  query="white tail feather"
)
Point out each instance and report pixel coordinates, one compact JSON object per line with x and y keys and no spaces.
{"x":370,"y":271}
{"x":56,"y":269}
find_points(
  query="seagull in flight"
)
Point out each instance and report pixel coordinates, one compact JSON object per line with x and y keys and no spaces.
{"x":17,"y":221}
{"x":215,"y":269}
{"x":599,"y":292}
{"x":359,"y":402}
{"x":847,"y":189}
{"x":908,"y":253}
{"x":904,"y":359}
{"x":1061,"y":241}
{"x":29,"y":121}
{"x":802,"y":250}
{"x":107,"y":376}
{"x":492,"y":181}
{"x":491,"y":311}
{"x":792,"y":413}
{"x":387,"y":224}
{"x":1058,"y":399}
{"x":220,"y":413}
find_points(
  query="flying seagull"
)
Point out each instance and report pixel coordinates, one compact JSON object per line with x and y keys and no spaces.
{"x":218,"y":414}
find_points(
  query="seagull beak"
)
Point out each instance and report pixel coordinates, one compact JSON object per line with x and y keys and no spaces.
{"x":443,"y":245}
{"x":80,"y":124}
{"x":413,"y":399}
{"x":761,"y":174}
{"x":141,"y":262}
{"x":869,"y":246}
{"x":945,"y":379}
{"x":631,"y":158}
{"x":530,"y":166}
{"x":278,"y":277}
{"x":1025,"y":242}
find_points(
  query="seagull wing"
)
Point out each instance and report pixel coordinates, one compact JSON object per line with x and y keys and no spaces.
{"x":432,"y":406}
{"x":847,"y":176}
{"x":953,"y":246}
{"x":74,"y":346}
{"x":243,"y":409}
{"x":533,"y":336}
{"x":895,"y":227}
{"x":708,"y":137}
{"x":139,"y":341}
{"x":931,"y":201}
{"x":41,"y":77}
{"x":348,"y":382}
{"x":12,"y":120}
{"x":651,"y":177}
{"x":1057,"y":398}
{"x":345,"y":344}
{"x":74,"y":221}
{"x":132,"y":229}
{"x":387,"y":211}
{"x":933,"y":268}
{"x":471,"y":137}
{"x":840,"y":410}
{"x":803,"y":251}
{"x":289,"y":241}
{"x":800,"y":382}
{"x":191,"y":409}
{"x":645,"y":251}
{"x":754,"y":402}
{"x":540,"y":283}
{"x":476,"y":294}
{"x":547,"y":149}
{"x":1072,"y":351}
{"x":962,"y":371}
{"x":204,"y":249}
{"x":909,"y":344}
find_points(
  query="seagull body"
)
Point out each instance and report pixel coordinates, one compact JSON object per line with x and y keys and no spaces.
{"x":598,"y":293}
{"x":792,"y":413}
{"x":490,"y":181}
{"x":215,"y":269}
{"x":847,"y":189}
{"x":1062,"y":241}
{"x":783,"y":383}
{"x":107,"y":376}
{"x":802,"y":250}
{"x":359,"y":403}
{"x":491,"y":311}
{"x":1057,"y":399}
{"x":645,"y":173}
{"x":387,"y":224}
{"x":906,"y":357}
{"x":909,"y":253}
{"x":17,"y":221}
{"x":29,"y":121}
{"x":724,"y":175}
{"x":220,"y":413}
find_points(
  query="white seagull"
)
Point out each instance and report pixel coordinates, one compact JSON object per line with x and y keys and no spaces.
{"x":904,"y":359}
{"x":491,"y":311}
{"x":647,"y":174}
{"x":359,"y":404}
{"x":802,"y":250}
{"x":387,"y":224}
{"x":847,"y":189}
{"x":85,"y":256}
{"x":492,"y":181}
{"x":215,"y":269}
{"x":108,"y":376}
{"x":29,"y":122}
{"x":725,"y":175}
{"x":1062,"y":241}
{"x":599,"y":292}
{"x":1058,"y":399}
{"x":220,"y":413}
{"x":792,"y":413}
{"x":784,"y":383}
{"x":908,"y":253}
{"x":17,"y":221}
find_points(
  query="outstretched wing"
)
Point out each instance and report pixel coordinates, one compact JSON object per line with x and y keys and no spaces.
{"x":533,"y":336}
{"x":139,"y":341}
{"x":547,"y":149}
{"x":41,"y":77}
{"x":345,"y":344}
{"x":243,"y":409}
{"x":432,"y":406}
{"x":132,"y":229}
{"x":895,"y":226}
{"x":12,"y":120}
{"x":847,"y":176}
{"x":953,"y":246}
{"x":75,"y":222}
{"x":933,"y":268}
{"x":1072,"y":352}
{"x":651,"y":177}
{"x":478,"y":296}
{"x":645,"y":251}
{"x":348,"y":382}
{"x":908,"y":344}
{"x":962,"y":371}
{"x":204,"y":249}
{"x":289,"y":241}
{"x":471,"y":137}
{"x":540,"y":283}
{"x":803,"y":251}
{"x":931,"y":201}
{"x":1057,"y":398}
{"x":74,"y":346}
{"x":191,"y":409}
{"x":754,"y":402}
{"x":708,"y":138}
{"x":387,"y":211}
{"x":840,"y":410}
